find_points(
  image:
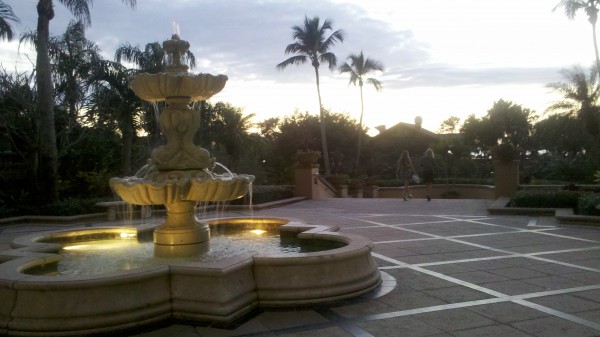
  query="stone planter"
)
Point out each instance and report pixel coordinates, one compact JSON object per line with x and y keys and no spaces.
{"x":307,"y":159}
{"x":506,"y":177}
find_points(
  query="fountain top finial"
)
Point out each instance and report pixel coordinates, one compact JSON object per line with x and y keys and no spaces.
{"x":176,"y":48}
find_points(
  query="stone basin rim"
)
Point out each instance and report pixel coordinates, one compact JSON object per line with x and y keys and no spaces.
{"x":32,"y":252}
{"x":221,"y":292}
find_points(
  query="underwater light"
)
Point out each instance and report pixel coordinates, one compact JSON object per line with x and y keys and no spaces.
{"x":258,"y":231}
{"x":73,"y":247}
{"x":125,"y":235}
{"x":101,"y":245}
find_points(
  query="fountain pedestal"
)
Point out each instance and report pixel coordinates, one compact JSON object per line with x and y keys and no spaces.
{"x":181,"y":226}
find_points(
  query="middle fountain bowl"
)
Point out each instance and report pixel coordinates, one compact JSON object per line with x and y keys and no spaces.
{"x":158,"y":87}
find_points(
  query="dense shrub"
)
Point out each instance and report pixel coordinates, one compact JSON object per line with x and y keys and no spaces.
{"x":66,"y":207}
{"x":589,"y":205}
{"x":547,"y":199}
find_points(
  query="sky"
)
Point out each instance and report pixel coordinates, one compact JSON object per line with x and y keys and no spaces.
{"x":442,"y":58}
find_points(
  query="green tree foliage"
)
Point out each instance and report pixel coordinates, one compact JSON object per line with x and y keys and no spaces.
{"x":73,"y":56}
{"x":18,"y":135}
{"x":72,"y":59}
{"x":450,"y":125}
{"x":226,"y":134}
{"x":570,"y":138}
{"x":301,"y":132}
{"x":114,"y":102}
{"x":505,"y":122}
{"x":313,"y":45}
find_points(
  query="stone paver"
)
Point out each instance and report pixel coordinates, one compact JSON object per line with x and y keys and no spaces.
{"x":449,"y":268}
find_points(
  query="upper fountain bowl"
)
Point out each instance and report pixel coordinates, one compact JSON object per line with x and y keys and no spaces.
{"x":158,"y":87}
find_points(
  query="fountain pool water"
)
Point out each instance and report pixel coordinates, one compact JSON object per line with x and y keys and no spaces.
{"x":176,"y":283}
{"x":128,"y":250}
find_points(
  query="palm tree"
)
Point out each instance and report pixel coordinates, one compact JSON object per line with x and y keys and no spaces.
{"x":114,"y":101}
{"x":359,"y":67}
{"x":230,"y":127}
{"x":313,"y":45}
{"x":572,"y":7}
{"x":6,"y":15}
{"x":47,"y":138}
{"x":581,"y":97}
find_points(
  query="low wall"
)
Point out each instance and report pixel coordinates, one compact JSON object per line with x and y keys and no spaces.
{"x":463,"y":191}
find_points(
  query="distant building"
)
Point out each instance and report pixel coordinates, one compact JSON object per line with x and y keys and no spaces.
{"x":385,"y":148}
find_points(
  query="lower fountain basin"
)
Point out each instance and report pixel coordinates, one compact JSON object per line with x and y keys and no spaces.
{"x":218,"y":291}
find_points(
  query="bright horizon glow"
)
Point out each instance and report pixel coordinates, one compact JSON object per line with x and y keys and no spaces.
{"x":442,"y":58}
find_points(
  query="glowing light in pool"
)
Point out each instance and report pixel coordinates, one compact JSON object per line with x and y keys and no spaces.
{"x":258,"y":231}
{"x":74,"y":247}
{"x":101,"y":245}
{"x":125,"y":235}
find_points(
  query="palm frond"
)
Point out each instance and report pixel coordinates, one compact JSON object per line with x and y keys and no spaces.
{"x":335,"y":37}
{"x":297,"y":59}
{"x":6,"y":15}
{"x":328,"y":58}
{"x":28,"y":37}
{"x":128,"y":53}
{"x":80,"y":9}
{"x":376,"y":84}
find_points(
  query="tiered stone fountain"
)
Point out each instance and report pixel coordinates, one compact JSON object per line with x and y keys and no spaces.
{"x":179,"y":173}
{"x":178,"y":176}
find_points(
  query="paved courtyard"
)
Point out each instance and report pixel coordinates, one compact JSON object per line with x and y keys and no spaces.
{"x":449,"y":269}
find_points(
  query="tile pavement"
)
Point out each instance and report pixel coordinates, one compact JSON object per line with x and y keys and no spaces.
{"x":449,"y":269}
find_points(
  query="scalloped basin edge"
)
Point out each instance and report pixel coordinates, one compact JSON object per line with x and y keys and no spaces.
{"x":224,"y":291}
{"x":141,"y":192}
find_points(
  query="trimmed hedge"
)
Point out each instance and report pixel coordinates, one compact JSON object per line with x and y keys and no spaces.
{"x":66,"y":207}
{"x":589,"y":205}
{"x":547,"y":199}
{"x":583,"y":202}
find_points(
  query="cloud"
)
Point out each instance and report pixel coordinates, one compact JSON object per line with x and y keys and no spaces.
{"x":445,"y":75}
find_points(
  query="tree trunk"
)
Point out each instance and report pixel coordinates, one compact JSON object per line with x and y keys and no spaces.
{"x":323,"y":133}
{"x":127,"y":140}
{"x":362,"y":110}
{"x":48,"y":159}
{"x":596,"y":49}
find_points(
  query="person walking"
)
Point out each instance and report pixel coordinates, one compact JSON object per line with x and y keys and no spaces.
{"x":428,"y":166}
{"x":404,"y":169}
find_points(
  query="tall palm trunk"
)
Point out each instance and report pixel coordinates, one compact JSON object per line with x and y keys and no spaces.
{"x":48,"y":155}
{"x":323,"y":133}
{"x":596,"y":48}
{"x":128,"y":133}
{"x":592,"y":13}
{"x":362,"y":110}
